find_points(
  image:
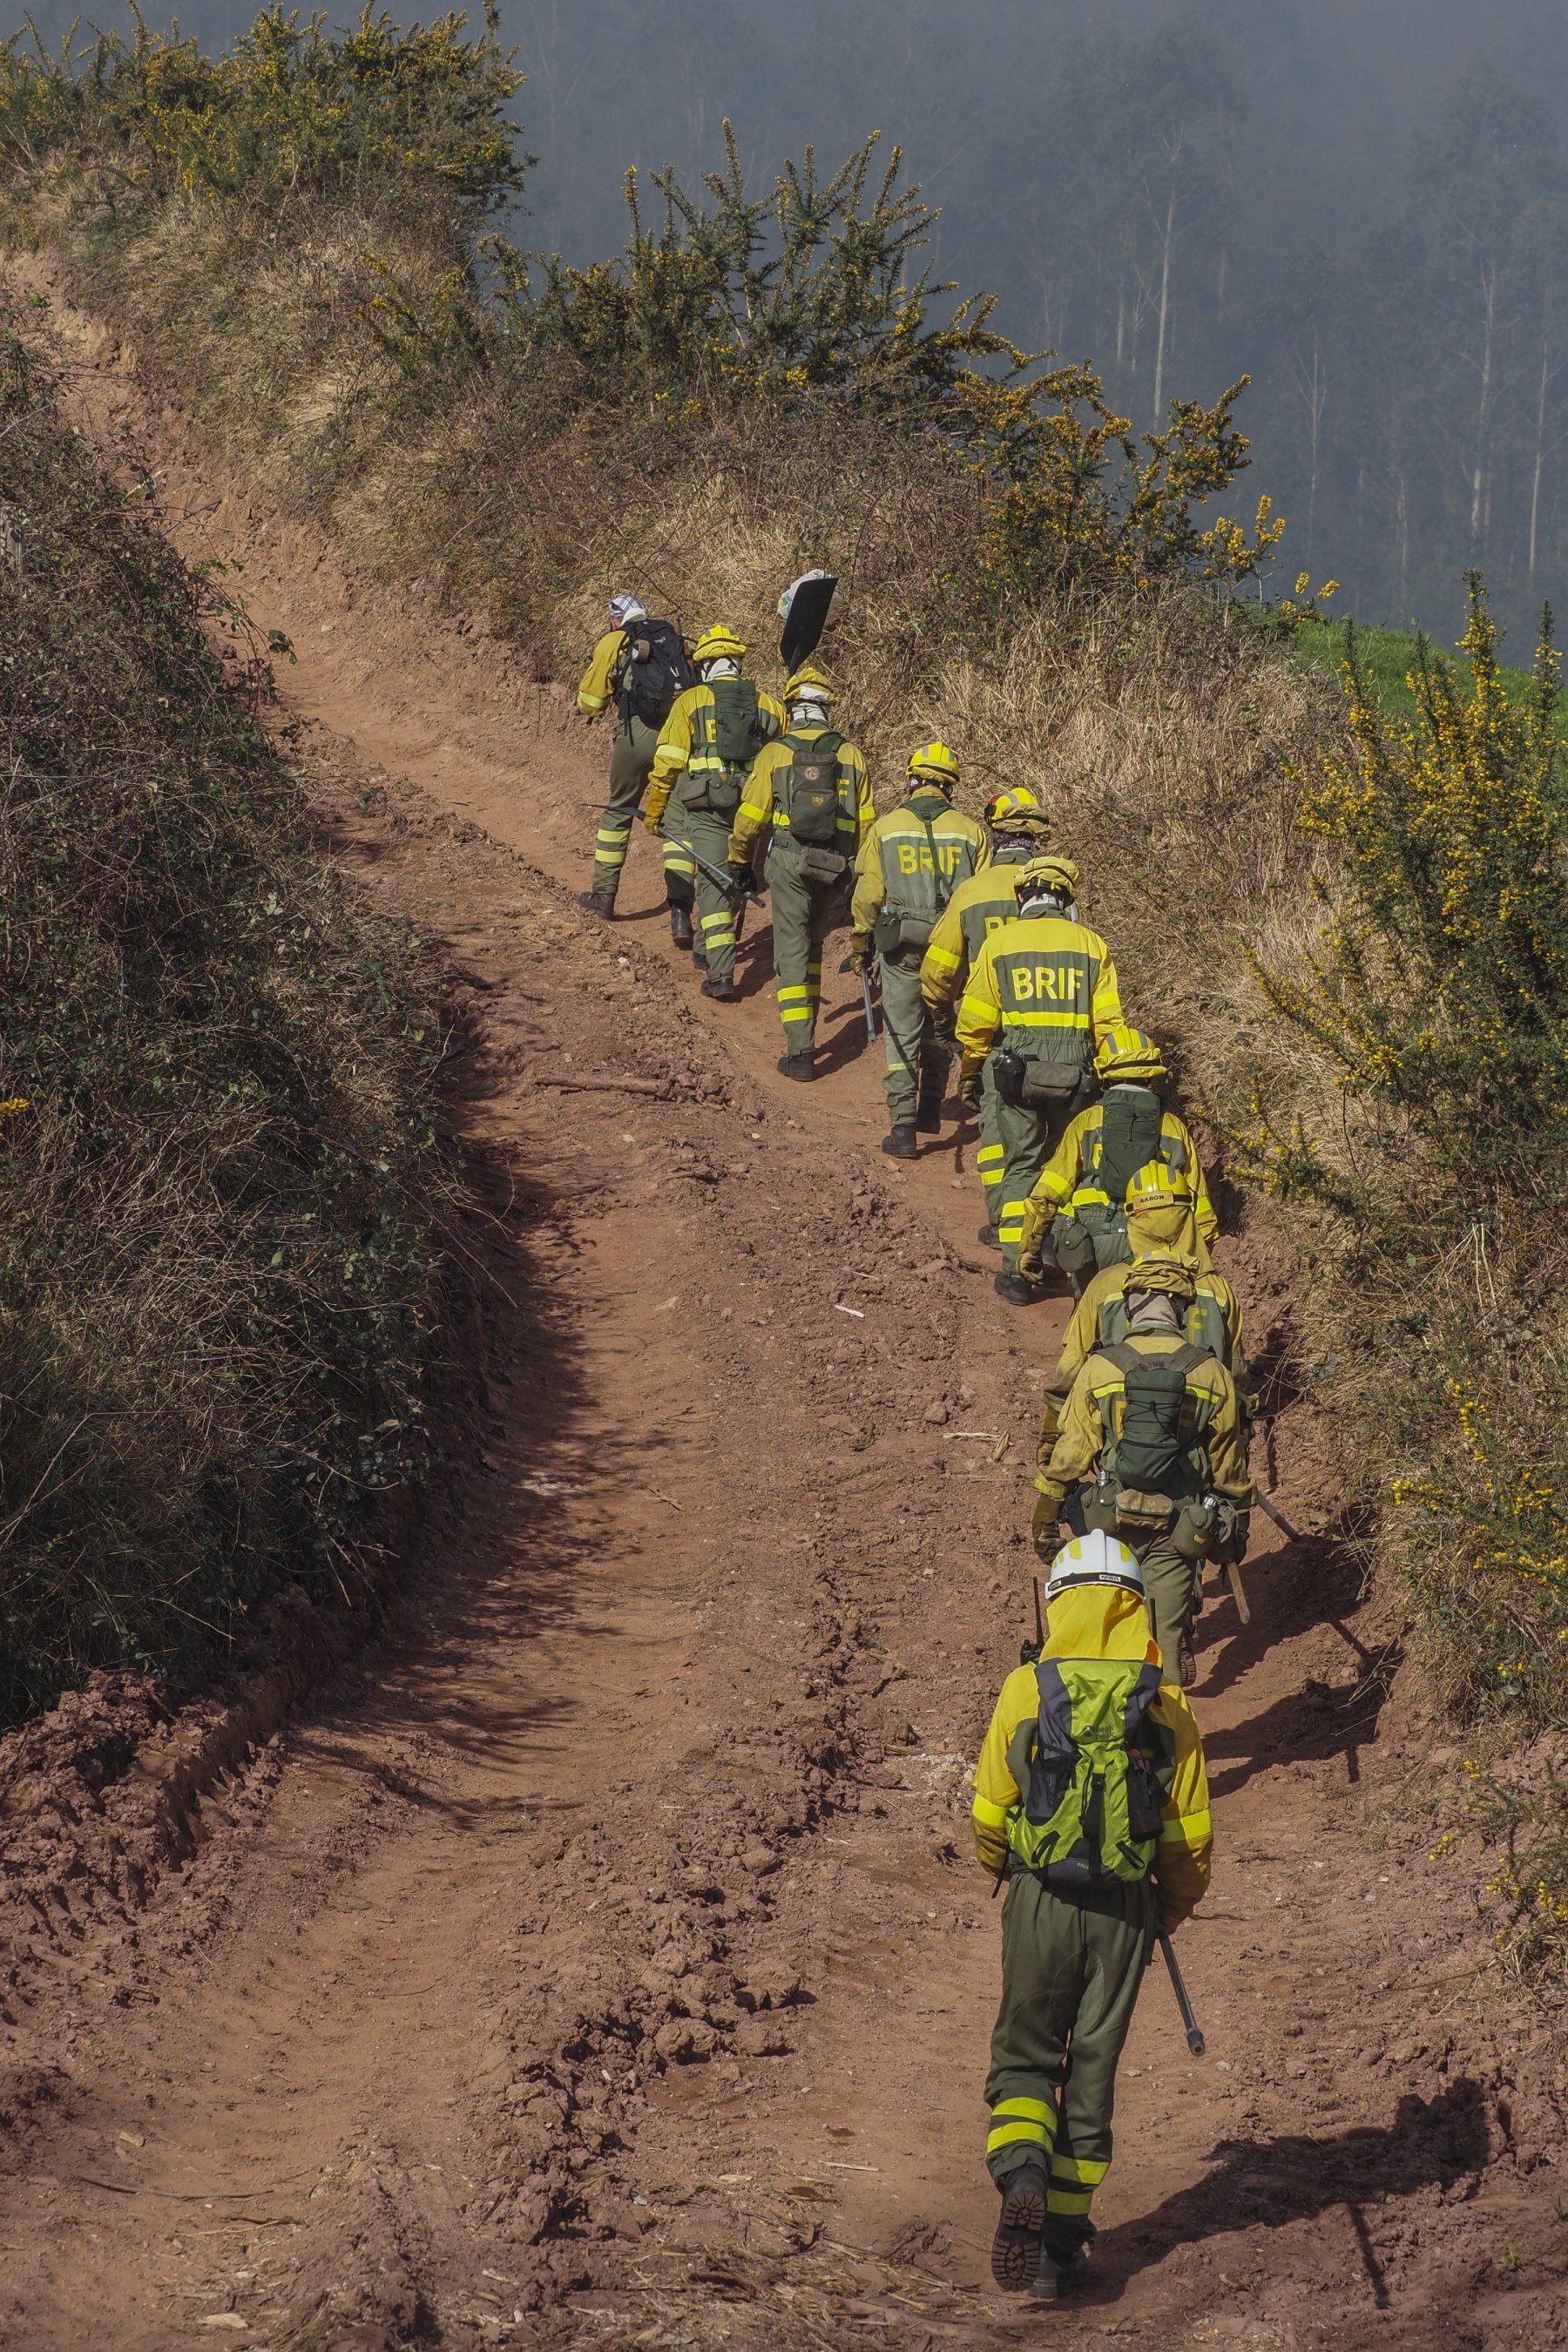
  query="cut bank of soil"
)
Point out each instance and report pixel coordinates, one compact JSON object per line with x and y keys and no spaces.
{"x":597,"y":1955}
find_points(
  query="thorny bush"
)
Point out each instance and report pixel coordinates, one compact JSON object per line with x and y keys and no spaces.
{"x":218,"y":1166}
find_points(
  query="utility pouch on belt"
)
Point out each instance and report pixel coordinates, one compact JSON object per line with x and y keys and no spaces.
{"x":1195,"y":1528}
{"x":1007,"y":1074}
{"x":892,"y":932}
{"x":816,"y":864}
{"x":1047,"y":1085}
{"x":1141,"y":1513}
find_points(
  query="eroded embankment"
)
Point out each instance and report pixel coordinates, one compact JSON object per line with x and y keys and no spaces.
{"x":605,"y":1931}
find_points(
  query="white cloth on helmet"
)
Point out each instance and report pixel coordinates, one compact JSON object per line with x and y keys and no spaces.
{"x":624,"y":608}
{"x":721,"y":666}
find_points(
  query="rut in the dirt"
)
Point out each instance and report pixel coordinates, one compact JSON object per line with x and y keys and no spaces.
{"x":601,"y":1945}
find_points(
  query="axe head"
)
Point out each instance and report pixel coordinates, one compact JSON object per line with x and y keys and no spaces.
{"x":806,"y":619}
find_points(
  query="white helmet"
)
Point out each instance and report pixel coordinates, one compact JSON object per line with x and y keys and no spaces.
{"x":1094,"y":1559}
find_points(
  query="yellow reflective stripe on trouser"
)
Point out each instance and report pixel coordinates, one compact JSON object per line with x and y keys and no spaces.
{"x":797,"y":1011}
{"x":678,"y":861}
{"x":1021,"y":2123}
{"x":1087,"y":2171}
{"x":988,"y":1163}
{"x":1010,"y":1224}
{"x":718,"y":930}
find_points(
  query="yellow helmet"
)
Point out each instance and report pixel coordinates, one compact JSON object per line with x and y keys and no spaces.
{"x":1129,"y":1054}
{"x":935,"y":762}
{"x":1056,"y":876}
{"x":1157,"y":1186}
{"x":1018,"y":807}
{"x":719,"y":644}
{"x":810,"y":684}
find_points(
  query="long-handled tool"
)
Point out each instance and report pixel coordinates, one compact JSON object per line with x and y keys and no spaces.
{"x":1195,"y":2041}
{"x":718,"y":874}
{"x":869,"y":1003}
{"x":1281,"y":1521}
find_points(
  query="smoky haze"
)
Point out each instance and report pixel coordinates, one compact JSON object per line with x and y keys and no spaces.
{"x":1361,"y":204}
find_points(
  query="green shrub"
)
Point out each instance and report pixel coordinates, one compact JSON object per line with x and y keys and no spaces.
{"x":217,"y":1168}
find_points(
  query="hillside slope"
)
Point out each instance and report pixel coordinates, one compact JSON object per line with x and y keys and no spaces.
{"x":599,"y":1960}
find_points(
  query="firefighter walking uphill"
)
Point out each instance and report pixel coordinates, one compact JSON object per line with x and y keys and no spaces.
{"x":637,"y":668}
{"x":810,"y":797}
{"x":700,"y":768}
{"x":1042,"y":995}
{"x":1091,"y":1801}
{"x":1016,"y":825}
{"x":911,"y":862}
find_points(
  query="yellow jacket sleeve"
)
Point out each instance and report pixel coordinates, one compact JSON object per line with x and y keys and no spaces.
{"x":1185,"y":1853}
{"x":994,"y":1787}
{"x":670,"y":755}
{"x":755,"y":814}
{"x":597,"y":689}
{"x":1058,"y":1179}
{"x":982,"y":847}
{"x":869,"y":887}
{"x":943,"y":967}
{"x":1078,"y":1343}
{"x":1107,"y":1009}
{"x":1079,"y":1439}
{"x":980,"y":1014}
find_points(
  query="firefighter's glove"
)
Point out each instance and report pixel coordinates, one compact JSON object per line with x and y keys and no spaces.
{"x":969,"y":1086}
{"x":740,"y":879}
{"x":1043,"y":1525}
{"x":1235,"y":1534}
{"x":859,"y":954}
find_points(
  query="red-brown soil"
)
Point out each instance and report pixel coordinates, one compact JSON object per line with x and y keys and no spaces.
{"x":593,"y":1954}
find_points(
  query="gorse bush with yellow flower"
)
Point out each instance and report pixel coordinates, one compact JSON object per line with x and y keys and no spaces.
{"x":365,"y":167}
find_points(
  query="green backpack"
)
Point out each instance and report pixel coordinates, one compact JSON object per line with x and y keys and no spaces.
{"x":1094,"y":1770}
{"x":809,"y":786}
{"x":1149,"y":1453}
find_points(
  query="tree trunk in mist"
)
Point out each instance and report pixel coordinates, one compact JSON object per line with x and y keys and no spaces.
{"x":1539,"y":451}
{"x":1483,"y":419}
{"x":1169,"y":239}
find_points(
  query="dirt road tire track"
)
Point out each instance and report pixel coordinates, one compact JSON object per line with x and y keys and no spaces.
{"x":602,"y":1940}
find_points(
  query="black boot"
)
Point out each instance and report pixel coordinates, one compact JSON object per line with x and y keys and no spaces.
{"x":1015,"y":2249}
{"x":798,"y":1065}
{"x":598,"y":902}
{"x":989,"y":1237}
{"x":1058,"y":2274}
{"x":680,"y":925}
{"x":722,"y":991}
{"x":1015,"y":1290}
{"x":900,"y":1144}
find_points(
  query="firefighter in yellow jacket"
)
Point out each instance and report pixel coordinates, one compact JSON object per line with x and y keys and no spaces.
{"x":1016,"y":825}
{"x":809,"y":794}
{"x":1212,"y":1318}
{"x":1090,"y":1883}
{"x":1041,"y":996}
{"x":1081,"y":1194}
{"x":1154,"y":1424}
{"x":701,"y":769}
{"x":911,"y":862}
{"x":636,"y":669}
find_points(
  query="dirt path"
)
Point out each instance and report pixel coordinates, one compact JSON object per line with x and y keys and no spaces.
{"x":596,"y":1956}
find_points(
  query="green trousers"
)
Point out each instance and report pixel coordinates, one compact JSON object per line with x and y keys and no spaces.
{"x":803,"y":916}
{"x":1173,"y":1581}
{"x":631,"y":765}
{"x":992,"y":1154}
{"x":1027,"y":1138}
{"x":1071,"y":1968}
{"x":916,"y":1058}
{"x":699,"y":829}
